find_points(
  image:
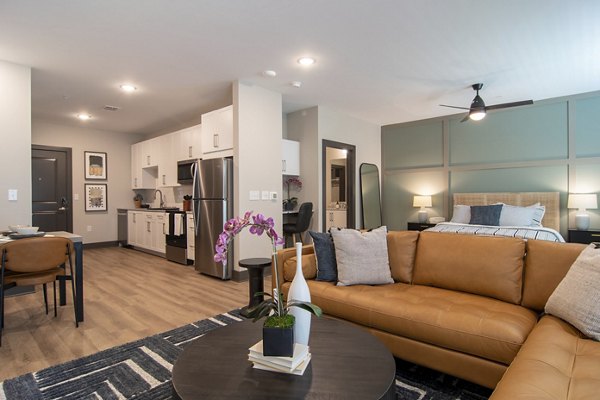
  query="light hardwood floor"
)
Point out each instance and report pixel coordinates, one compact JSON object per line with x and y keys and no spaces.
{"x":128,"y":295}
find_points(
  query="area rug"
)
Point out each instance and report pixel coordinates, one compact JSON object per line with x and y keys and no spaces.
{"x":142,"y":370}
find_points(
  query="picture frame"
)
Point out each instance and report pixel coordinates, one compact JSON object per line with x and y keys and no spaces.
{"x":95,"y":165}
{"x":96,"y":197}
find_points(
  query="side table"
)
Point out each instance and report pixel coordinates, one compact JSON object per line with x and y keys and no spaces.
{"x":585,"y":237}
{"x":418,"y":226}
{"x":256,"y":267}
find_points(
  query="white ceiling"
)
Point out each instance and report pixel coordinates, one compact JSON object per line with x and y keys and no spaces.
{"x":382,"y":61}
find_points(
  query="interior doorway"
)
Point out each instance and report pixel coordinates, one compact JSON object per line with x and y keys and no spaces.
{"x":51,"y":188}
{"x":338,"y":188}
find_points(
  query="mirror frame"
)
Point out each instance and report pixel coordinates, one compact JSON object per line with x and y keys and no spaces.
{"x":362,"y":195}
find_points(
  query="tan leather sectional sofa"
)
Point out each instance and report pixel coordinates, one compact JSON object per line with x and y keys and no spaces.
{"x":470,"y":306}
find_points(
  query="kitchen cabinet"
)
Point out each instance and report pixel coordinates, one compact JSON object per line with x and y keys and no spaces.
{"x":290,"y":157}
{"x":146,"y":230}
{"x":167,"y":162}
{"x":335,"y":218}
{"x":217,"y":130}
{"x":150,"y":152}
{"x":141,"y":178}
{"x":191,"y":243}
{"x":189,"y":143}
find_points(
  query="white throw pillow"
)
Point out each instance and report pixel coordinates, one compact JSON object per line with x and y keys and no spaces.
{"x":461,"y":214}
{"x":522,"y":216}
{"x":362,"y":257}
{"x":576,"y":299}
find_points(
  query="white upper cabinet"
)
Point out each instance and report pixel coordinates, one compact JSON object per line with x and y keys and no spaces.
{"x":217,"y":130}
{"x":290,"y":158}
{"x":141,"y":177}
{"x":189,"y":145}
{"x":167,"y":162}
{"x":150,"y":153}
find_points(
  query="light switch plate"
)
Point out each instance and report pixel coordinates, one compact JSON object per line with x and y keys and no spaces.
{"x":75,"y":196}
{"x":12,"y":194}
{"x":254,"y":195}
{"x":264,"y":195}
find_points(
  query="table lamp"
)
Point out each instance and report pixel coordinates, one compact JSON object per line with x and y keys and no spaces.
{"x":422,"y":201}
{"x":582,"y":201}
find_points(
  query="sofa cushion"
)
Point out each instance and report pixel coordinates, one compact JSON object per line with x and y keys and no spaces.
{"x":472,"y":324}
{"x":488,"y":266}
{"x":402,"y":246}
{"x":325,"y":255}
{"x":576,"y":299}
{"x":546,"y":264}
{"x":556,"y":362}
{"x":362,"y":257}
{"x":309,"y":267}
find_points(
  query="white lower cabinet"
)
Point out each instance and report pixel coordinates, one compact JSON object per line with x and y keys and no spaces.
{"x":336,"y":218}
{"x":146,"y":230}
{"x":191,"y":245}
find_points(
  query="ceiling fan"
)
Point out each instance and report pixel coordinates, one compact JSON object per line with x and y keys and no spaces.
{"x":478,"y":108}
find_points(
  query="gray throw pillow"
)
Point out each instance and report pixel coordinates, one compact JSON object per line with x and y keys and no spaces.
{"x":362,"y":257}
{"x":325,"y":255}
{"x":486,"y":215}
{"x":576,"y":299}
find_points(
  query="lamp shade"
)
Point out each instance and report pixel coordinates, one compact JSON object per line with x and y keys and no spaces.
{"x":422,"y":201}
{"x":582,"y":201}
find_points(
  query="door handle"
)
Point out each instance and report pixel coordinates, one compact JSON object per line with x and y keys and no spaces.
{"x":284,"y":165}
{"x":190,"y":151}
{"x":164,"y":182}
{"x":61,"y":209}
{"x":147,"y":160}
{"x":216,"y":140}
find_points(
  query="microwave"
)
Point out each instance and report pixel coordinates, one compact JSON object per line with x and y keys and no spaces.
{"x":185,"y":173}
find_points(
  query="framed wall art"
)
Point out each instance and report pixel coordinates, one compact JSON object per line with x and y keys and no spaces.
{"x":96,"y":197}
{"x":95,"y":165}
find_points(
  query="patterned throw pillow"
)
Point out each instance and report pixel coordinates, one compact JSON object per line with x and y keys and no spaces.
{"x":576,"y":299}
{"x":486,"y":215}
{"x":325,"y":255}
{"x":362,"y":257}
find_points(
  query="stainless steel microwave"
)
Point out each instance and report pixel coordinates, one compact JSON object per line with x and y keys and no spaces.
{"x":185,"y":174}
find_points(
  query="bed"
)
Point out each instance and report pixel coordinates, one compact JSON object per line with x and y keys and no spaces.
{"x":550,"y":221}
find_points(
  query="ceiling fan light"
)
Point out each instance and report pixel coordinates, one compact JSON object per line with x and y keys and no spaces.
{"x":477,"y":115}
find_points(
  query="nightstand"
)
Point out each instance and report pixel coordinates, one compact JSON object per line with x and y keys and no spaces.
{"x":585,"y":237}
{"x":417,"y":226}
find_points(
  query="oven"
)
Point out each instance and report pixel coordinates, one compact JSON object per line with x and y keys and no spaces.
{"x":176,"y":239}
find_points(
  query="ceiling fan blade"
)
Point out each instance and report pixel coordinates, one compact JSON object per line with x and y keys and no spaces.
{"x":460,"y":108}
{"x":466,"y":118}
{"x":507,"y":105}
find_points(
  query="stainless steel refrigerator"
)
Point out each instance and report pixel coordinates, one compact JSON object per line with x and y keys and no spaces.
{"x":212,"y":207}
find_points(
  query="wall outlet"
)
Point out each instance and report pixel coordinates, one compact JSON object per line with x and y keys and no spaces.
{"x":12,"y":194}
{"x":264,"y":195}
{"x":89,"y":228}
{"x":273,"y":196}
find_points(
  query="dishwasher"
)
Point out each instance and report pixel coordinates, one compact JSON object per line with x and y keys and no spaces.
{"x":122,"y":226}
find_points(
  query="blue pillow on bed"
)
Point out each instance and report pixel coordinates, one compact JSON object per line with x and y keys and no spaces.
{"x":486,"y":215}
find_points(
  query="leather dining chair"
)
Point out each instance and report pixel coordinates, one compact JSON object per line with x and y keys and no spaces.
{"x":35,"y":261}
{"x":302,"y":223}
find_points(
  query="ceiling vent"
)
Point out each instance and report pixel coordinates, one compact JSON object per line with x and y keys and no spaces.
{"x":111,"y":108}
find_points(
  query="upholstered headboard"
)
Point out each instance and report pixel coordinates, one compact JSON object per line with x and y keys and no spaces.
{"x":551,"y":200}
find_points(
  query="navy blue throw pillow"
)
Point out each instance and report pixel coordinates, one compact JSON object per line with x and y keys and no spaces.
{"x":486,"y":215}
{"x":325,"y":254}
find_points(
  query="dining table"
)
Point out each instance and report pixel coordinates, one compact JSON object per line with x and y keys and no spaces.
{"x":78,"y":246}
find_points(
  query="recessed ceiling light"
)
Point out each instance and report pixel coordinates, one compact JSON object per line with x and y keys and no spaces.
{"x":269,"y":73}
{"x":84,"y":117}
{"x":306,"y":61}
{"x":126,"y":87}
{"x":296,"y":84}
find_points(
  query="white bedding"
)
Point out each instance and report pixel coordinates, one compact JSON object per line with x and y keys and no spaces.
{"x":524,"y":232}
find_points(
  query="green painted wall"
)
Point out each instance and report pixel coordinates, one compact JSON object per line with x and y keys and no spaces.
{"x":521,"y":149}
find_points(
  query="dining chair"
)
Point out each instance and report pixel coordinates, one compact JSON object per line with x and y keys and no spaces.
{"x":302,"y":223}
{"x":35,"y":261}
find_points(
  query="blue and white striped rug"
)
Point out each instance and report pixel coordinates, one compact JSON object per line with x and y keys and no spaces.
{"x":142,"y":370}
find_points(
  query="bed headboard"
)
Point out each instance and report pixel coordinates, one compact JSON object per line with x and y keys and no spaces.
{"x":551,"y":200}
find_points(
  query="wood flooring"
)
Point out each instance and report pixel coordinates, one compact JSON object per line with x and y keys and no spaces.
{"x":128,"y":295}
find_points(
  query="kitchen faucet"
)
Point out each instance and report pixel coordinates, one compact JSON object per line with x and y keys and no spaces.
{"x":162,"y":203}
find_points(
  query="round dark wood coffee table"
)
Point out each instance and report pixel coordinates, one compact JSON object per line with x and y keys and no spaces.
{"x":347,"y":363}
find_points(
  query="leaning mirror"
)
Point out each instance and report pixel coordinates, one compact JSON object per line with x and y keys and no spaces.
{"x":370,"y":197}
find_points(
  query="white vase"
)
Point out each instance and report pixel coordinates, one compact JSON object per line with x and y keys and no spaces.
{"x":299,"y":291}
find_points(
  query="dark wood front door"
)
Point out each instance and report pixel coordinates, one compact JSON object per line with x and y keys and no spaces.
{"x":51,"y":188}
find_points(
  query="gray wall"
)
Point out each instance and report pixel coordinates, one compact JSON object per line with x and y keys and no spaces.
{"x":15,"y":134}
{"x":553,"y":145}
{"x":118,"y":149}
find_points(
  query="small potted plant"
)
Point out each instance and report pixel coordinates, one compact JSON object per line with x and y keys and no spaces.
{"x":290,"y":203}
{"x":278,"y":328}
{"x":187,"y":202}
{"x":137,"y":200}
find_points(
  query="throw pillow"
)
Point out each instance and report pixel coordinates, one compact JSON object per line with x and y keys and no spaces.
{"x":461,"y":214}
{"x":362,"y":257}
{"x":521,"y":216}
{"x":325,"y":255}
{"x":576,"y":299}
{"x":486,"y":215}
